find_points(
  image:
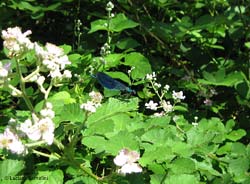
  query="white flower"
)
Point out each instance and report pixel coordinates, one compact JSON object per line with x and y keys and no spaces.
{"x":151,"y":105}
{"x":178,"y":95}
{"x":46,"y":130}
{"x":89,"y":106}
{"x":159,"y":114}
{"x":130,"y":168}
{"x":25,"y":126}
{"x":132,"y":68}
{"x":42,"y":129}
{"x":195,"y":124}
{"x":40,"y":52}
{"x":213,"y":92}
{"x":67,"y":74}
{"x":167,"y":106}
{"x":96,"y":97}
{"x":56,"y":74}
{"x":125,"y":159}
{"x":151,"y":76}
{"x":48,"y":105}
{"x":3,"y":71}
{"x":208,"y":102}
{"x":47,"y":113}
{"x":53,"y":50}
{"x":157,"y":85}
{"x":166,"y":87}
{"x":109,"y":6}
{"x":11,"y":142}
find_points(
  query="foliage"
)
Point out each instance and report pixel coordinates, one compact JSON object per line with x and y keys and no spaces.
{"x":188,"y":63}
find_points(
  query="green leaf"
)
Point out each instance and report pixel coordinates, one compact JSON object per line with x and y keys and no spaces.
{"x":100,"y":128}
{"x":11,"y":168}
{"x":58,"y":100}
{"x":127,"y":43}
{"x":239,"y":167}
{"x":158,"y":121}
{"x":160,"y":154}
{"x":183,"y":165}
{"x":67,"y":48}
{"x":229,"y":125}
{"x":236,"y":134}
{"x":225,"y":149}
{"x":72,"y":112}
{"x":120,"y":75}
{"x":82,"y":179}
{"x":206,"y":132}
{"x":113,"y":60}
{"x":182,"y":149}
{"x":182,"y":178}
{"x":206,"y":167}
{"x":238,"y":149}
{"x":117,"y":24}
{"x":46,"y":177}
{"x":23,"y":5}
{"x":243,"y":89}
{"x":122,"y":140}
{"x":156,"y":178}
{"x":121,"y":22}
{"x":114,"y":144}
{"x":111,"y":108}
{"x":75,"y":59}
{"x":180,"y":108}
{"x":156,"y":136}
{"x":98,"y":25}
{"x":219,"y":78}
{"x":247,"y":45}
{"x":141,"y":64}
{"x":98,"y":143}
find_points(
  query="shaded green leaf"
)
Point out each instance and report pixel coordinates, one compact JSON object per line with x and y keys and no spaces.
{"x":140,"y":63}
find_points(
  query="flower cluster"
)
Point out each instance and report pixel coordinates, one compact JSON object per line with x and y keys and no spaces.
{"x":35,"y":129}
{"x":40,"y":128}
{"x":109,"y":6}
{"x":49,"y":59}
{"x":105,"y":49}
{"x":16,"y":42}
{"x":53,"y":60}
{"x":96,"y":99}
{"x":151,"y":105}
{"x":163,"y":104}
{"x":126,"y":160}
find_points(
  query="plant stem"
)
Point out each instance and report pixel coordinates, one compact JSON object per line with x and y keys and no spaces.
{"x":45,"y":154}
{"x":22,"y":86}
